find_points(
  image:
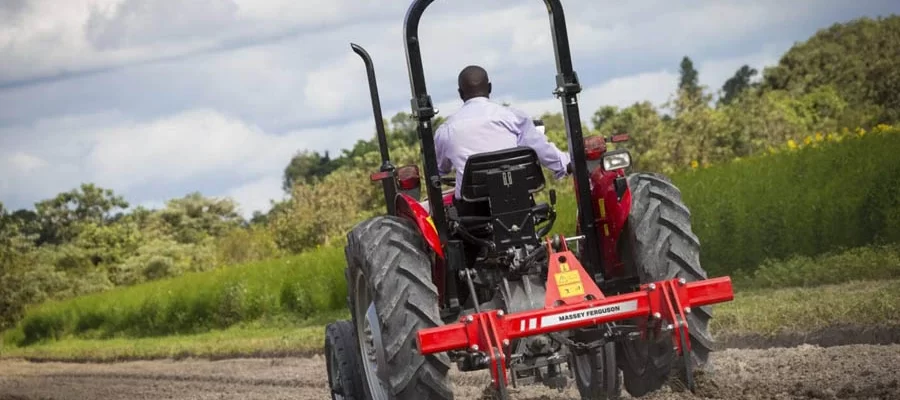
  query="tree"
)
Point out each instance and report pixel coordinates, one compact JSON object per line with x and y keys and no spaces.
{"x":60,"y":218}
{"x":689,"y":78}
{"x":193,"y":218}
{"x":860,"y":59}
{"x":736,"y":85}
{"x":642,"y":122}
{"x":305,"y":167}
{"x":603,"y":115}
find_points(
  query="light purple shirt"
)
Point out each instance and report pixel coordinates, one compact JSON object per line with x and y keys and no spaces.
{"x":481,"y":126}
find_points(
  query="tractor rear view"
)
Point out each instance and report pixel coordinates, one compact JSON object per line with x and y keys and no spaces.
{"x":622,"y":302}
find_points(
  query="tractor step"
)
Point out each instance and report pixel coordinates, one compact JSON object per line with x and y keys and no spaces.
{"x":574,"y":301}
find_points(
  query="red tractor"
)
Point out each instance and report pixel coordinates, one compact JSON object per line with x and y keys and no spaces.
{"x":493,"y":291}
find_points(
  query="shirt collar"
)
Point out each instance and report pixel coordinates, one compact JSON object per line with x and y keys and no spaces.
{"x":479,"y":99}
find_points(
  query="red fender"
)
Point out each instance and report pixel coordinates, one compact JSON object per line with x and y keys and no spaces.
{"x":409,"y":208}
{"x":611,"y":215}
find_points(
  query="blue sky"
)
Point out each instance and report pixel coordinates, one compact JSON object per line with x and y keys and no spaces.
{"x":158,"y":98}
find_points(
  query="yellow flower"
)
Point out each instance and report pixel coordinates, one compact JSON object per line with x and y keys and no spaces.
{"x":694,"y":164}
{"x":881,"y":128}
{"x":792,"y":144}
{"x":830,"y":137}
{"x":807,"y":140}
{"x":861,"y":132}
{"x":819,"y":137}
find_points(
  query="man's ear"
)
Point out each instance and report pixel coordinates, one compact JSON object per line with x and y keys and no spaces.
{"x":490,"y":88}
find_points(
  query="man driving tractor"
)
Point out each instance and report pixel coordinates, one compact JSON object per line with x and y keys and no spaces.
{"x":482,"y":126}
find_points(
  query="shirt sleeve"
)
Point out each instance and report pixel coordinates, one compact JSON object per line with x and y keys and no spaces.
{"x":550,"y":156}
{"x":441,"y":143}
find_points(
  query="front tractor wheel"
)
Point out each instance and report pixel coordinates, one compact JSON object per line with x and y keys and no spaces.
{"x":391,"y":298}
{"x":595,"y":372}
{"x":342,"y":361}
{"x":658,"y":244}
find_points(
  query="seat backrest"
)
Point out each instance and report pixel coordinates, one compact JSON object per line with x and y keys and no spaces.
{"x":514,"y":174}
{"x":501,"y":185}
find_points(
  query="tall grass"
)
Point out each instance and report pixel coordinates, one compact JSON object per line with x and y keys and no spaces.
{"x":299,"y":286}
{"x":807,"y":201}
{"x":803,"y":201}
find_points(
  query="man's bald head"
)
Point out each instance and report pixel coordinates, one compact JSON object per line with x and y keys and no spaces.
{"x":474,"y":82}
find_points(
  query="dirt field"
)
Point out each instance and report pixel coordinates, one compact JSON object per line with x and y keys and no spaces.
{"x":803,"y":372}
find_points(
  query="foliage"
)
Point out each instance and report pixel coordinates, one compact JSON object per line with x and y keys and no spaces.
{"x":299,"y":286}
{"x":60,"y":217}
{"x":873,"y":263}
{"x":808,"y":197}
{"x":305,"y":167}
{"x":737,"y":84}
{"x":858,"y":58}
{"x":689,"y":81}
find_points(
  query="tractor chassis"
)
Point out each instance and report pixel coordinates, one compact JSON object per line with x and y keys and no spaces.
{"x":573,"y":301}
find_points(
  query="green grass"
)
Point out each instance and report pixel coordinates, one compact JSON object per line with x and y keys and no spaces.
{"x":789,"y":310}
{"x":796,"y":295}
{"x":765,"y":312}
{"x":807,"y":202}
{"x":863,"y":263}
{"x":243,"y":340}
{"x":295,"y":287}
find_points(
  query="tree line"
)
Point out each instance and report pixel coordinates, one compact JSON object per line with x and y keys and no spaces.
{"x":89,"y":239}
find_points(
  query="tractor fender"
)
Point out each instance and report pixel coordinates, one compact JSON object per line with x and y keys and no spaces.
{"x":409,"y":208}
{"x":611,"y":212}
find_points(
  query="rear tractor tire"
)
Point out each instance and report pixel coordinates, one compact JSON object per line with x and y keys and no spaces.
{"x":342,"y":361}
{"x":658,"y":244}
{"x":391,"y":298}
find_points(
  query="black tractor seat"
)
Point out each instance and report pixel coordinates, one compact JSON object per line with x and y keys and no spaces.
{"x":497,"y":207}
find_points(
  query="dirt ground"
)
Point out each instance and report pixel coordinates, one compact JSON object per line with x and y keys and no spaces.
{"x":802,"y":372}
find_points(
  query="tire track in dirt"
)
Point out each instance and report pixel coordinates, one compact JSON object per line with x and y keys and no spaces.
{"x":803,"y":372}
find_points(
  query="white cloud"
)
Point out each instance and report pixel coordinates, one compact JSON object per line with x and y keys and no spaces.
{"x":167,"y":157}
{"x":25,"y":163}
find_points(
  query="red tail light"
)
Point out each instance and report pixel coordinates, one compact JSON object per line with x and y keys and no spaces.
{"x":408,"y":177}
{"x":594,"y":147}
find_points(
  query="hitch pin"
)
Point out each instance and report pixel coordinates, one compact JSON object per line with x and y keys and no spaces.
{"x":574,"y":238}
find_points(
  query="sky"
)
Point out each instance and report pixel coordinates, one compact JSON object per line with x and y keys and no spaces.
{"x":155,"y":99}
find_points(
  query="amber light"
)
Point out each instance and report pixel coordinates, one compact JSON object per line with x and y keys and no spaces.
{"x":594,"y":147}
{"x":408,"y":177}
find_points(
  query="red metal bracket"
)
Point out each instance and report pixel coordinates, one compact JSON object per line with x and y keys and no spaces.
{"x":567,"y":282}
{"x":490,"y":332}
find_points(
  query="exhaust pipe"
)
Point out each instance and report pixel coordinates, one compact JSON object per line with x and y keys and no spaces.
{"x":390,"y":186}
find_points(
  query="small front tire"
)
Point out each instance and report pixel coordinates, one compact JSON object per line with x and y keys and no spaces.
{"x":342,"y":361}
{"x":596,"y":374}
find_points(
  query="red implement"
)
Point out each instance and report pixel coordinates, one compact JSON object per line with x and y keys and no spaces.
{"x":573,"y":301}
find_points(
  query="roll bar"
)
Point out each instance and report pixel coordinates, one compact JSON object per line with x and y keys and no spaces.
{"x":567,"y":89}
